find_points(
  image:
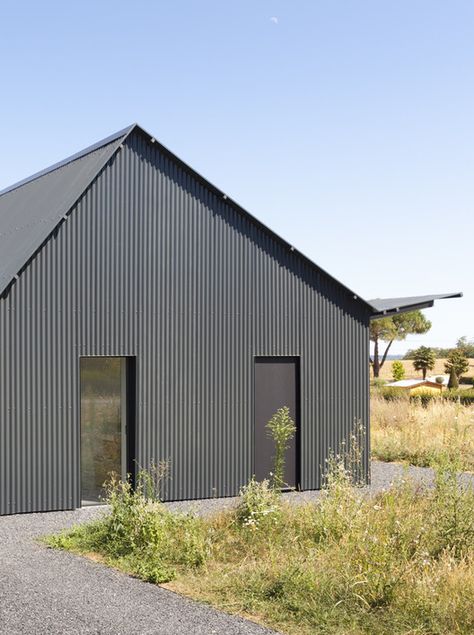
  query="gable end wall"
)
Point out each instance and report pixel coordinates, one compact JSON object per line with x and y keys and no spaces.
{"x":151,"y":264}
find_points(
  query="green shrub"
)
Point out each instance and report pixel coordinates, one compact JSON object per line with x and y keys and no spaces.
{"x":140,"y":535}
{"x":462,"y":396}
{"x":425,"y":397}
{"x":398,"y":370}
{"x":390,"y":393}
{"x":466,"y":397}
{"x":281,"y":428}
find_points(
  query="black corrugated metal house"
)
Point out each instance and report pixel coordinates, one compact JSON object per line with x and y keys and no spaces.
{"x":146,"y":316}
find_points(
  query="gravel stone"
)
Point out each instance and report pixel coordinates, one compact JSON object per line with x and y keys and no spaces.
{"x":45,"y":591}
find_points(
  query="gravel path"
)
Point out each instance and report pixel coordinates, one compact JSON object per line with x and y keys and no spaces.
{"x":46,"y":591}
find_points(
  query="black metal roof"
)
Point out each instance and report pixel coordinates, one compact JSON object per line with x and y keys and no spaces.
{"x":384,"y":307}
{"x":31,"y":209}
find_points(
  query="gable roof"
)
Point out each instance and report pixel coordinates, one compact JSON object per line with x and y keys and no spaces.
{"x":31,"y":210}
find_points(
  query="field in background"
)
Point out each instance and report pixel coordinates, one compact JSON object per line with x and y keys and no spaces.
{"x":405,"y":431}
{"x":411,"y":373}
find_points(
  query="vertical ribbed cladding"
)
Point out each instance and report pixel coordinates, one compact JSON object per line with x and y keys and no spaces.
{"x":151,"y":263}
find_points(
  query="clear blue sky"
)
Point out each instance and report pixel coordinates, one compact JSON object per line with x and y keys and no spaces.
{"x":346,"y":126}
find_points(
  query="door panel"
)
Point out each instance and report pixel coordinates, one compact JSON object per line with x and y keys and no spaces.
{"x":276,"y":385}
{"x":103,"y":423}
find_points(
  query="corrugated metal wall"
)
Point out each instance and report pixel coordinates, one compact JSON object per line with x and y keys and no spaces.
{"x":152,"y":264}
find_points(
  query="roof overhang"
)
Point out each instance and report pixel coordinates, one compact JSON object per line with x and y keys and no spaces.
{"x":386,"y":307}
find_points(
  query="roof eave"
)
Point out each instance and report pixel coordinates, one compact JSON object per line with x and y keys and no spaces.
{"x":416,"y":306}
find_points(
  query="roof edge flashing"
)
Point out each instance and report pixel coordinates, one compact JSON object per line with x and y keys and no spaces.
{"x":273,"y":234}
{"x":394,"y":306}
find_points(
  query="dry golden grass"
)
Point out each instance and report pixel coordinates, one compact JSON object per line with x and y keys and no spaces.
{"x":405,"y":431}
{"x":398,"y":563}
{"x":411,"y":373}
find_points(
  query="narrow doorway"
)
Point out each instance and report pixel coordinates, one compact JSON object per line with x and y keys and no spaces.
{"x":107,"y":423}
{"x":276,"y":385}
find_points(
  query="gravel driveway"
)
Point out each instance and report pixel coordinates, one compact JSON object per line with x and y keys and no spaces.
{"x":47,"y":591}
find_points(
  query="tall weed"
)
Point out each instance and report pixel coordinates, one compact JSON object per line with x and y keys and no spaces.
{"x":396,"y":563}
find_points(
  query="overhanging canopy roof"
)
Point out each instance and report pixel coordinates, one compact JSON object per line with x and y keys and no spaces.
{"x":385,"y":307}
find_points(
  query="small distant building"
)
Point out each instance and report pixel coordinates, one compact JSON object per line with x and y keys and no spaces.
{"x":427,"y":385}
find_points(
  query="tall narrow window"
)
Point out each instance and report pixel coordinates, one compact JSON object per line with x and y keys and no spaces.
{"x":103,"y":423}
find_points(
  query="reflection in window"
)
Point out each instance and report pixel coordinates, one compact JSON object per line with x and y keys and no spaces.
{"x":102,"y":423}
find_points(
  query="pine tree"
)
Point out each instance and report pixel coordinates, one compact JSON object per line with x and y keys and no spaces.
{"x":424,"y":359}
{"x":453,"y":380}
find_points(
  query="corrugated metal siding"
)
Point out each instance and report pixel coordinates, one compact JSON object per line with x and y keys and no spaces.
{"x":152,"y":264}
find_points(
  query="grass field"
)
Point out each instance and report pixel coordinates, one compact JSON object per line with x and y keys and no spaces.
{"x":401,"y":562}
{"x":411,"y":373}
{"x":406,"y":431}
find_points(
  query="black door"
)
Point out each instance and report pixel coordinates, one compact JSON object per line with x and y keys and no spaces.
{"x":276,"y":385}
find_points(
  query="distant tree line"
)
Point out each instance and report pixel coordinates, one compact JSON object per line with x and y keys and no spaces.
{"x":385,"y":331}
{"x":463,"y":345}
{"x":456,"y":365}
